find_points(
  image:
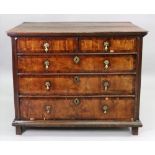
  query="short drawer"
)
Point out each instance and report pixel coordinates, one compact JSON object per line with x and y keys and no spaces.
{"x":77,"y":63}
{"x":115,"y":44}
{"x":77,"y":108}
{"x":72,"y":85}
{"x":46,"y":45}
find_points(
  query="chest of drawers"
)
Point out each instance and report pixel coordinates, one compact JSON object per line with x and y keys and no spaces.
{"x":77,"y":74}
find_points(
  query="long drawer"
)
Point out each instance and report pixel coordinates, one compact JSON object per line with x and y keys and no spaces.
{"x":81,"y":84}
{"x":77,"y":108}
{"x":76,"y":63}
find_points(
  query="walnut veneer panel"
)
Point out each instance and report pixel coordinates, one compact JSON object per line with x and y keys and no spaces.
{"x":54,"y":44}
{"x":88,"y":63}
{"x":118,"y":109}
{"x":69,"y":85}
{"x":115,"y":44}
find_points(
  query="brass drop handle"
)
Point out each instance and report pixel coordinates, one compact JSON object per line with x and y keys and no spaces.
{"x":106,"y":64}
{"x":76,"y":59}
{"x":76,"y":79}
{"x":46,"y":63}
{"x":46,"y":46}
{"x":47,"y":85}
{"x":48,"y":109}
{"x":106,"y":85}
{"x":105,"y":109}
{"x":76,"y":101}
{"x":106,"y":46}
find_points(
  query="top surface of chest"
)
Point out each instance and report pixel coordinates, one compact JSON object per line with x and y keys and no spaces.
{"x":76,"y":28}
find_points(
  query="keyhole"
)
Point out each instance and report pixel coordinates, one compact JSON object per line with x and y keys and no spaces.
{"x":76,"y":101}
{"x":76,"y":79}
{"x":76,"y":59}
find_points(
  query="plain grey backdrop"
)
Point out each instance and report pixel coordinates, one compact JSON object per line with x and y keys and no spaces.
{"x":147,"y":108}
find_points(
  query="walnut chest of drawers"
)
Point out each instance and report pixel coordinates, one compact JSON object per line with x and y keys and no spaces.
{"x":77,"y":74}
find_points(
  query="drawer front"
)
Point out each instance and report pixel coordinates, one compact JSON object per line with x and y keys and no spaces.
{"x":108,"y":45}
{"x":77,"y":108}
{"x":46,"y":45}
{"x":68,"y":85}
{"x":80,"y":63}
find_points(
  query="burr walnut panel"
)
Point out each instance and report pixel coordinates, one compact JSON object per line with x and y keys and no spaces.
{"x":46,"y":44}
{"x":73,"y":85}
{"x":86,"y":63}
{"x":120,"y":44}
{"x":86,"y":109}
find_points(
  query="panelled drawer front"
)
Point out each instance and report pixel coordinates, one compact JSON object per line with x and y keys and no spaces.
{"x":114,"y":44}
{"x":46,"y":44}
{"x":68,"y":85}
{"x":77,"y":63}
{"x":85,"y":108}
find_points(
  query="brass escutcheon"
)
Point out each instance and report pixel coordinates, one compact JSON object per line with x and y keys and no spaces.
{"x":76,"y":59}
{"x":76,"y":79}
{"x":76,"y":101}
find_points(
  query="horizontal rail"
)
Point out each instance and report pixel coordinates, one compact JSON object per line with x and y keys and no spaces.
{"x":75,"y":53}
{"x":79,"y":96}
{"x":84,"y":74}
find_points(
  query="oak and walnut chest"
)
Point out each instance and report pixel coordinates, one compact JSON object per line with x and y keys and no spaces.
{"x":77,"y":74}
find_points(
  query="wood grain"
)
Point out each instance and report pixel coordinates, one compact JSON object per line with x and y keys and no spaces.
{"x":118,"y":109}
{"x":76,"y":28}
{"x":65,"y":85}
{"x":87,"y":63}
{"x":116,"y":44}
{"x":26,"y":44}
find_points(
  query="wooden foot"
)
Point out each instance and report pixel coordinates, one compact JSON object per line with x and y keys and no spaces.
{"x":134,"y":130}
{"x":18,"y":130}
